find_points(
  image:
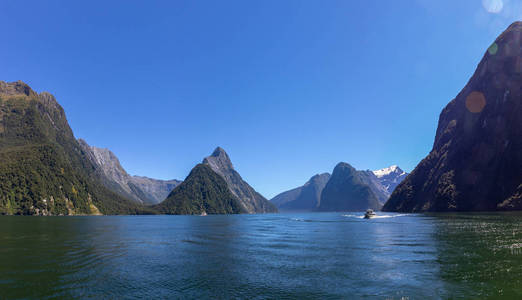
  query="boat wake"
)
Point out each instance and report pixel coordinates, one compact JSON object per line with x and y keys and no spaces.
{"x":374,"y":217}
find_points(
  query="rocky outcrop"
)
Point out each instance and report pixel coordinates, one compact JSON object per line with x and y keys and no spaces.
{"x":251,"y":201}
{"x":476,"y":160}
{"x":348,"y":190}
{"x":303,"y":198}
{"x":143,"y":190}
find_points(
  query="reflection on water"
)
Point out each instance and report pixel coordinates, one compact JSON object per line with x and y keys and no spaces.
{"x":480,"y":254}
{"x":321,"y":255}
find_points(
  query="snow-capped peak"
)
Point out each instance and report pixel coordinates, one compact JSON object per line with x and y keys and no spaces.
{"x":387,"y":171}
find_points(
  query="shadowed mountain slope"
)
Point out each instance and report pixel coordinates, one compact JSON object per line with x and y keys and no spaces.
{"x":476,"y":160}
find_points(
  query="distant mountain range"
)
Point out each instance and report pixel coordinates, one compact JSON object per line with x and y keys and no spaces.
{"x":44,"y":170}
{"x":143,"y":190}
{"x":345,"y":189}
{"x":476,"y":160}
{"x":150,"y":191}
{"x":475,"y":163}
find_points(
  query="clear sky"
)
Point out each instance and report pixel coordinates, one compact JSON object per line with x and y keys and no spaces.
{"x":287,"y":88}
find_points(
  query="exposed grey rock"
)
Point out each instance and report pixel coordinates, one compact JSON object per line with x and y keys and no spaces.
{"x":154,"y":189}
{"x":140,"y":189}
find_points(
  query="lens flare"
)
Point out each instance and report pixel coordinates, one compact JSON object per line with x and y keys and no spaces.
{"x":475,"y":102}
{"x":493,"y":49}
{"x":493,"y":6}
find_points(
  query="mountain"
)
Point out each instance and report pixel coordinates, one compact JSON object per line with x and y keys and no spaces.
{"x":250,"y":200}
{"x":286,"y":197}
{"x":155,"y":190}
{"x":384,"y":181}
{"x":476,"y":160}
{"x":348,"y":190}
{"x":390,"y":177}
{"x":306,"y":197}
{"x":373,"y":182}
{"x":203,"y":191}
{"x":43,"y":169}
{"x":140,"y":189}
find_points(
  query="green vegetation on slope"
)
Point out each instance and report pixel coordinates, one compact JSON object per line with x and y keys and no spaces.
{"x":43,"y":170}
{"x":202,"y":191}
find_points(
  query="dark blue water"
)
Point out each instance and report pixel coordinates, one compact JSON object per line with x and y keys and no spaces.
{"x":292,"y":256}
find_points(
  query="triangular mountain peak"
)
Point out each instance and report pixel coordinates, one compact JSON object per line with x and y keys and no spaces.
{"x":219,"y":160}
{"x":252,"y":201}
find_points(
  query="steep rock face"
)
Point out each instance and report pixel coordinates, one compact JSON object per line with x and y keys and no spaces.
{"x":203,"y":191}
{"x":476,"y":160}
{"x":304,"y":198}
{"x":154,"y":190}
{"x":347,"y":191}
{"x":373,"y":182}
{"x":251,"y":201}
{"x":140,"y":189}
{"x":43,"y":170}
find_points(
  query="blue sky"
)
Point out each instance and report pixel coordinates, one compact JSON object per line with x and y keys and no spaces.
{"x":288,"y":88}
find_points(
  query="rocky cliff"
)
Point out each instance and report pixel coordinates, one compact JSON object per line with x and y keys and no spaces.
{"x":143,"y":190}
{"x":476,"y":160}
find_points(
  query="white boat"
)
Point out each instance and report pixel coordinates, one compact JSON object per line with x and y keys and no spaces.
{"x":369,"y":214}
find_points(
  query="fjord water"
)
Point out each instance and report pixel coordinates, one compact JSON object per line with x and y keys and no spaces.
{"x":309,"y":255}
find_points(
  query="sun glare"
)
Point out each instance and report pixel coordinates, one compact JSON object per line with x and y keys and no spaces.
{"x":493,"y":6}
